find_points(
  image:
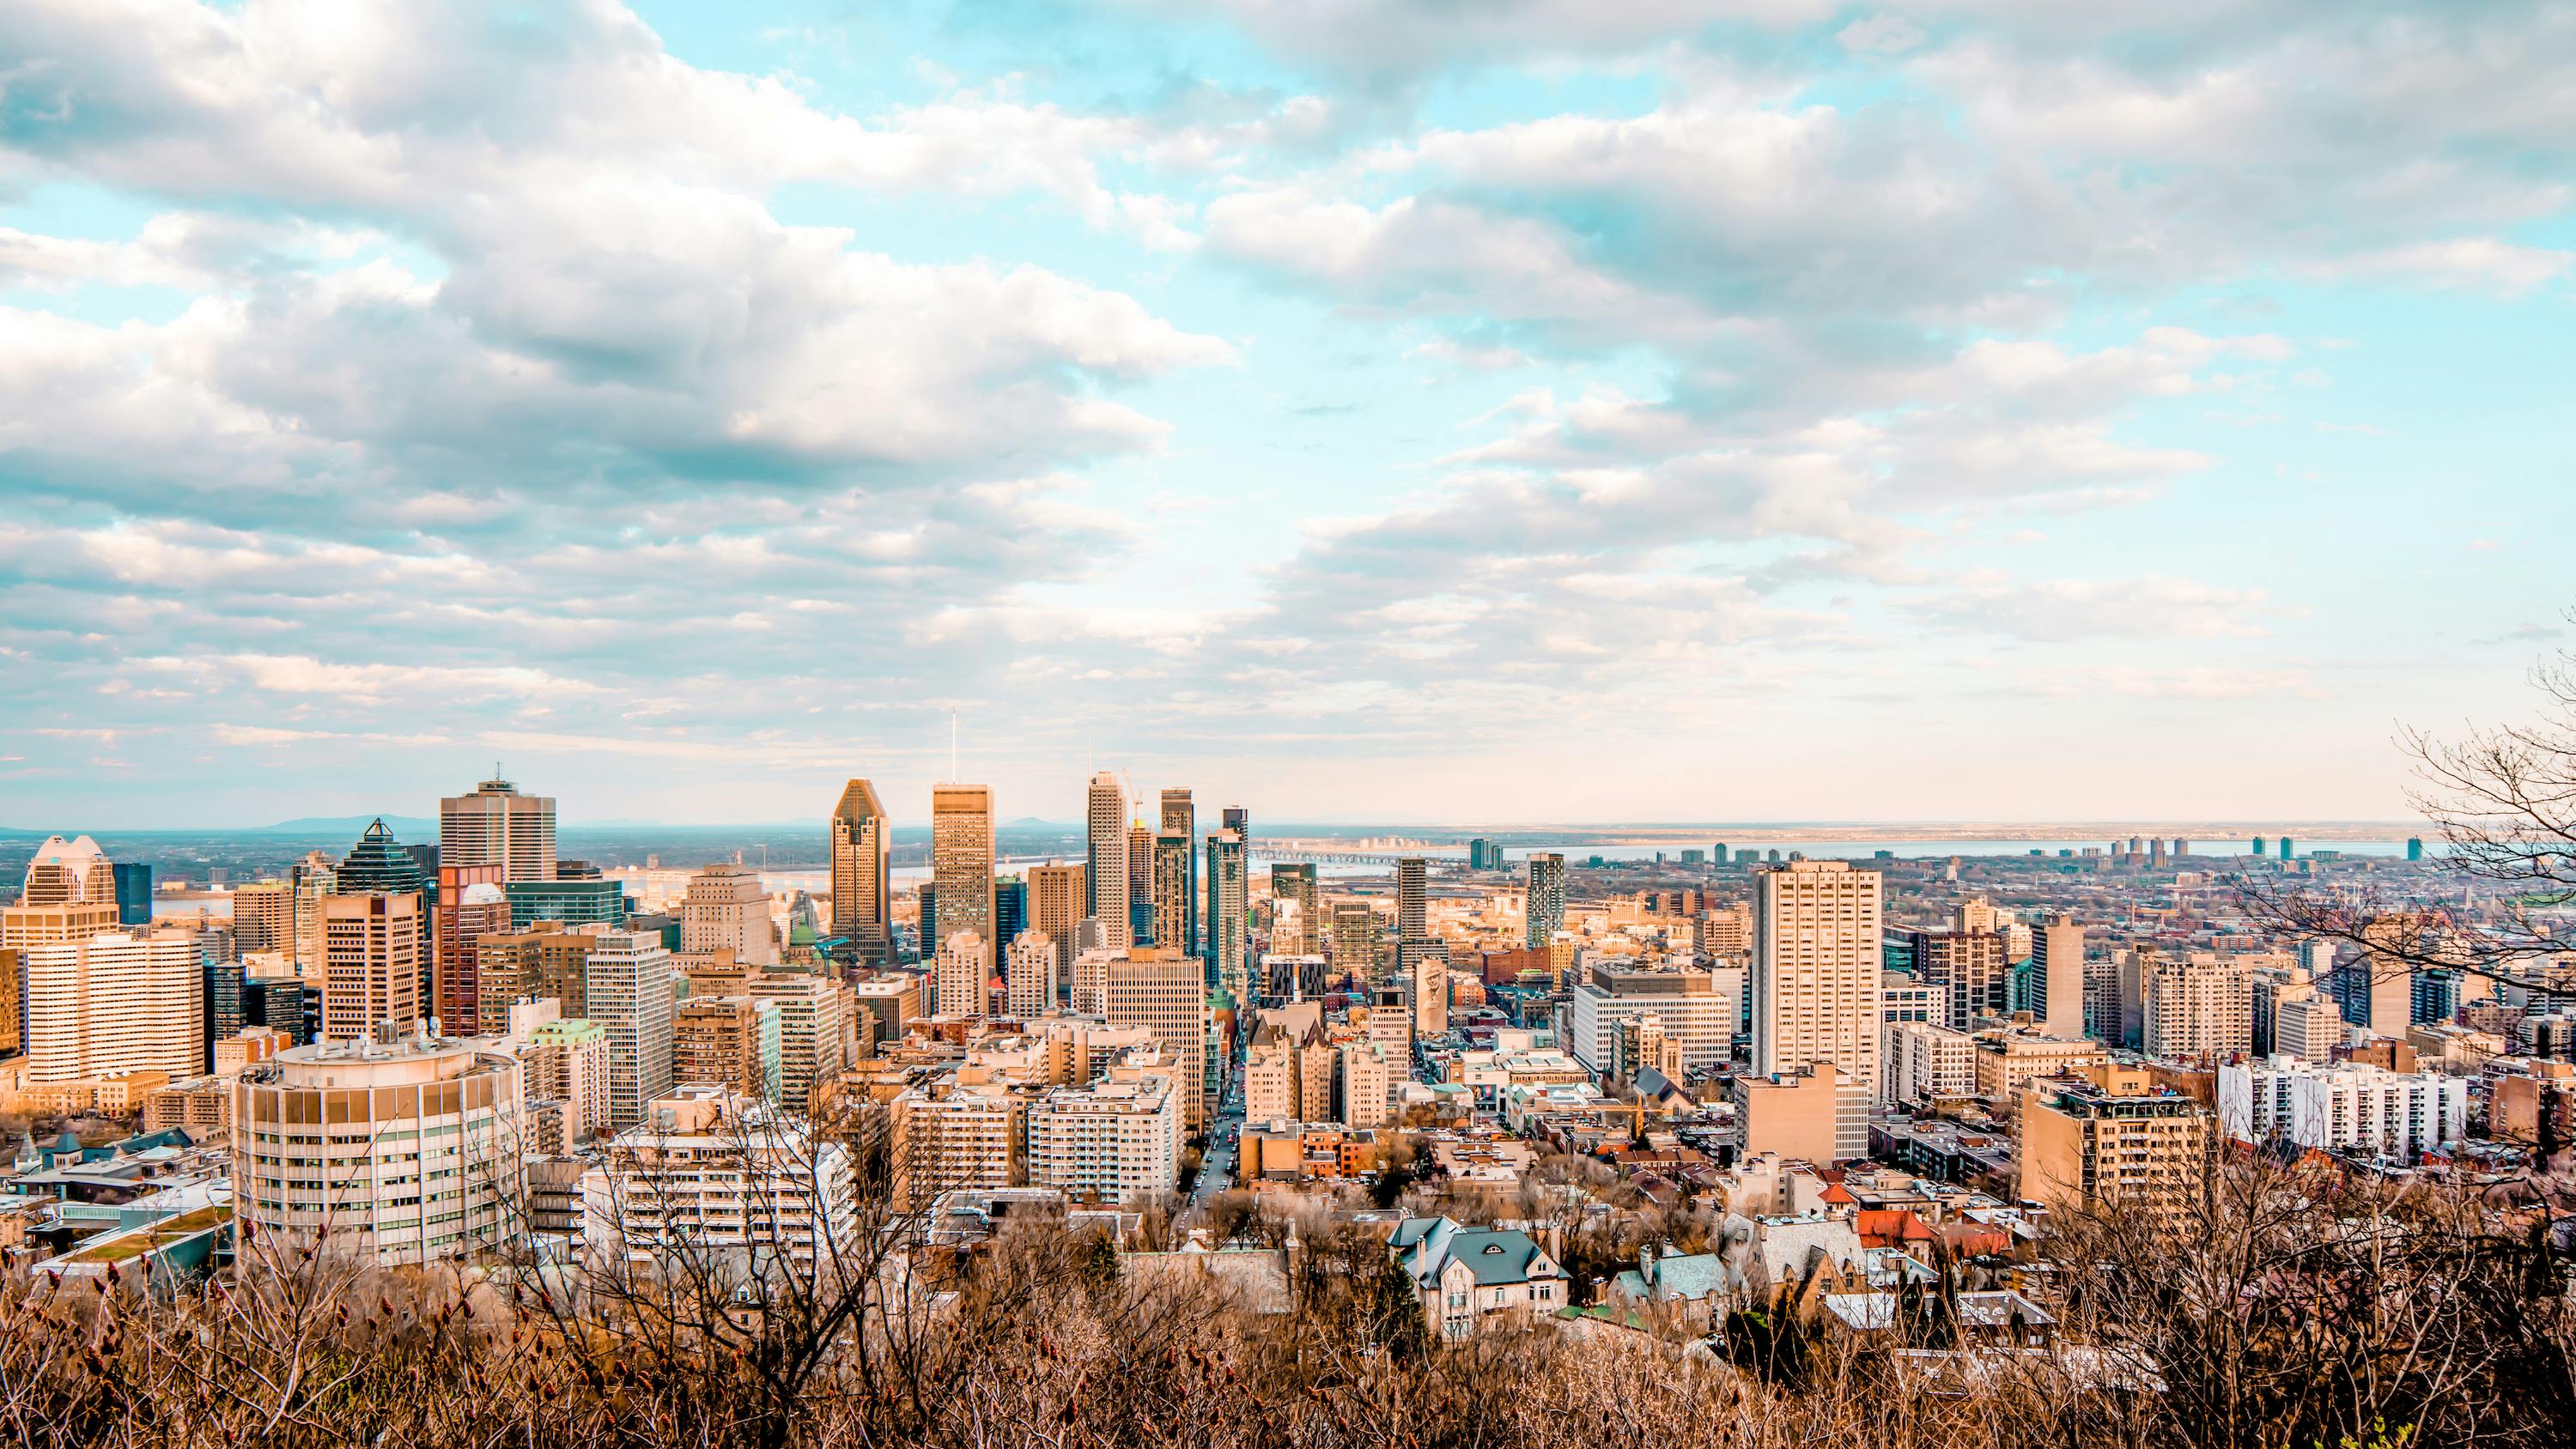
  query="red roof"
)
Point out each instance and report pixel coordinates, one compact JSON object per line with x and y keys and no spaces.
{"x":1890,"y":1228}
{"x":1836,"y":1195}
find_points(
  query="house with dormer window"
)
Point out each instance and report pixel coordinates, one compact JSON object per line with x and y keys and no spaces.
{"x":1473,"y":1279}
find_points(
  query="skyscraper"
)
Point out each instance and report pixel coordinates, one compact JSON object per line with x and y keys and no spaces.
{"x":1055,"y":910}
{"x":1296,"y":884}
{"x":69,"y":895}
{"x":371,"y":950}
{"x":1173,"y":870}
{"x":1107,"y":896}
{"x":2057,"y":961}
{"x":1412,"y":905}
{"x":1140,"y":885}
{"x":470,"y":906}
{"x":1546,"y":908}
{"x":1355,"y":933}
{"x":628,"y":988}
{"x":862,"y":905}
{"x":961,"y":865}
{"x":498,"y":825}
{"x":1816,"y":969}
{"x":133,"y":893}
{"x":1180,"y":817}
{"x":1228,"y":902}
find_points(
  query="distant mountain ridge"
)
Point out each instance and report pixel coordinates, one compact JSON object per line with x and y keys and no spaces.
{"x":410,"y":829}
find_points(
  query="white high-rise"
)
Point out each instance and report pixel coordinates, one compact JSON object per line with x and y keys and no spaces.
{"x":629,"y":983}
{"x":962,"y":981}
{"x":1030,"y":974}
{"x":1106,"y":871}
{"x":496,"y":825}
{"x":114,"y":1002}
{"x":1816,"y":968}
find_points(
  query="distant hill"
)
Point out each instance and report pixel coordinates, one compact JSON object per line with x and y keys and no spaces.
{"x":410,"y":829}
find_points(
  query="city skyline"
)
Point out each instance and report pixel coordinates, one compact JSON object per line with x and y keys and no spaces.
{"x":1851,"y":412}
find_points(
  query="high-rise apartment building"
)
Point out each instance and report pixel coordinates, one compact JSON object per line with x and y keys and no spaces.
{"x":1229,"y":929}
{"x":1180,"y":818}
{"x":1056,"y":910}
{"x":734,"y":1042}
{"x":961,"y":866}
{"x":371,"y":960}
{"x":1165,"y":991}
{"x":2200,"y":1005}
{"x":496,"y":825}
{"x":862,"y":901}
{"x":114,"y":1001}
{"x":1140,"y":885}
{"x":2057,"y":972}
{"x":1546,"y":906}
{"x":727,"y":909}
{"x":1107,"y":895}
{"x":1968,"y":966}
{"x":1816,"y":969}
{"x":1110,"y":1142}
{"x":629,"y":989}
{"x":1029,"y":976}
{"x":2110,"y":1137}
{"x":963,"y":976}
{"x":1412,"y":899}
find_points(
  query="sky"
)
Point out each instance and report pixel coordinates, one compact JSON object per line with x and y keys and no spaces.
{"x":1363,"y":410}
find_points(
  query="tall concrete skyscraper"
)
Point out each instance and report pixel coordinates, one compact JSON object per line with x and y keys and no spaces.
{"x":2057,"y":966}
{"x":1228,"y":902}
{"x":1180,"y":817}
{"x":961,"y":865}
{"x":1816,"y":969}
{"x":1546,"y":909}
{"x":862,"y":903}
{"x":1106,"y":863}
{"x":498,"y":825}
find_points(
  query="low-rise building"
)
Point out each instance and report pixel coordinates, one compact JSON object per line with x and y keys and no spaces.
{"x":708,"y":1171}
{"x":1472,"y":1279}
{"x":2349,"y":1106}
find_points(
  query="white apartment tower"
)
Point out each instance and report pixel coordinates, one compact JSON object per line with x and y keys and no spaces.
{"x":1816,"y":969}
{"x":963,"y":979}
{"x":1030,"y":974}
